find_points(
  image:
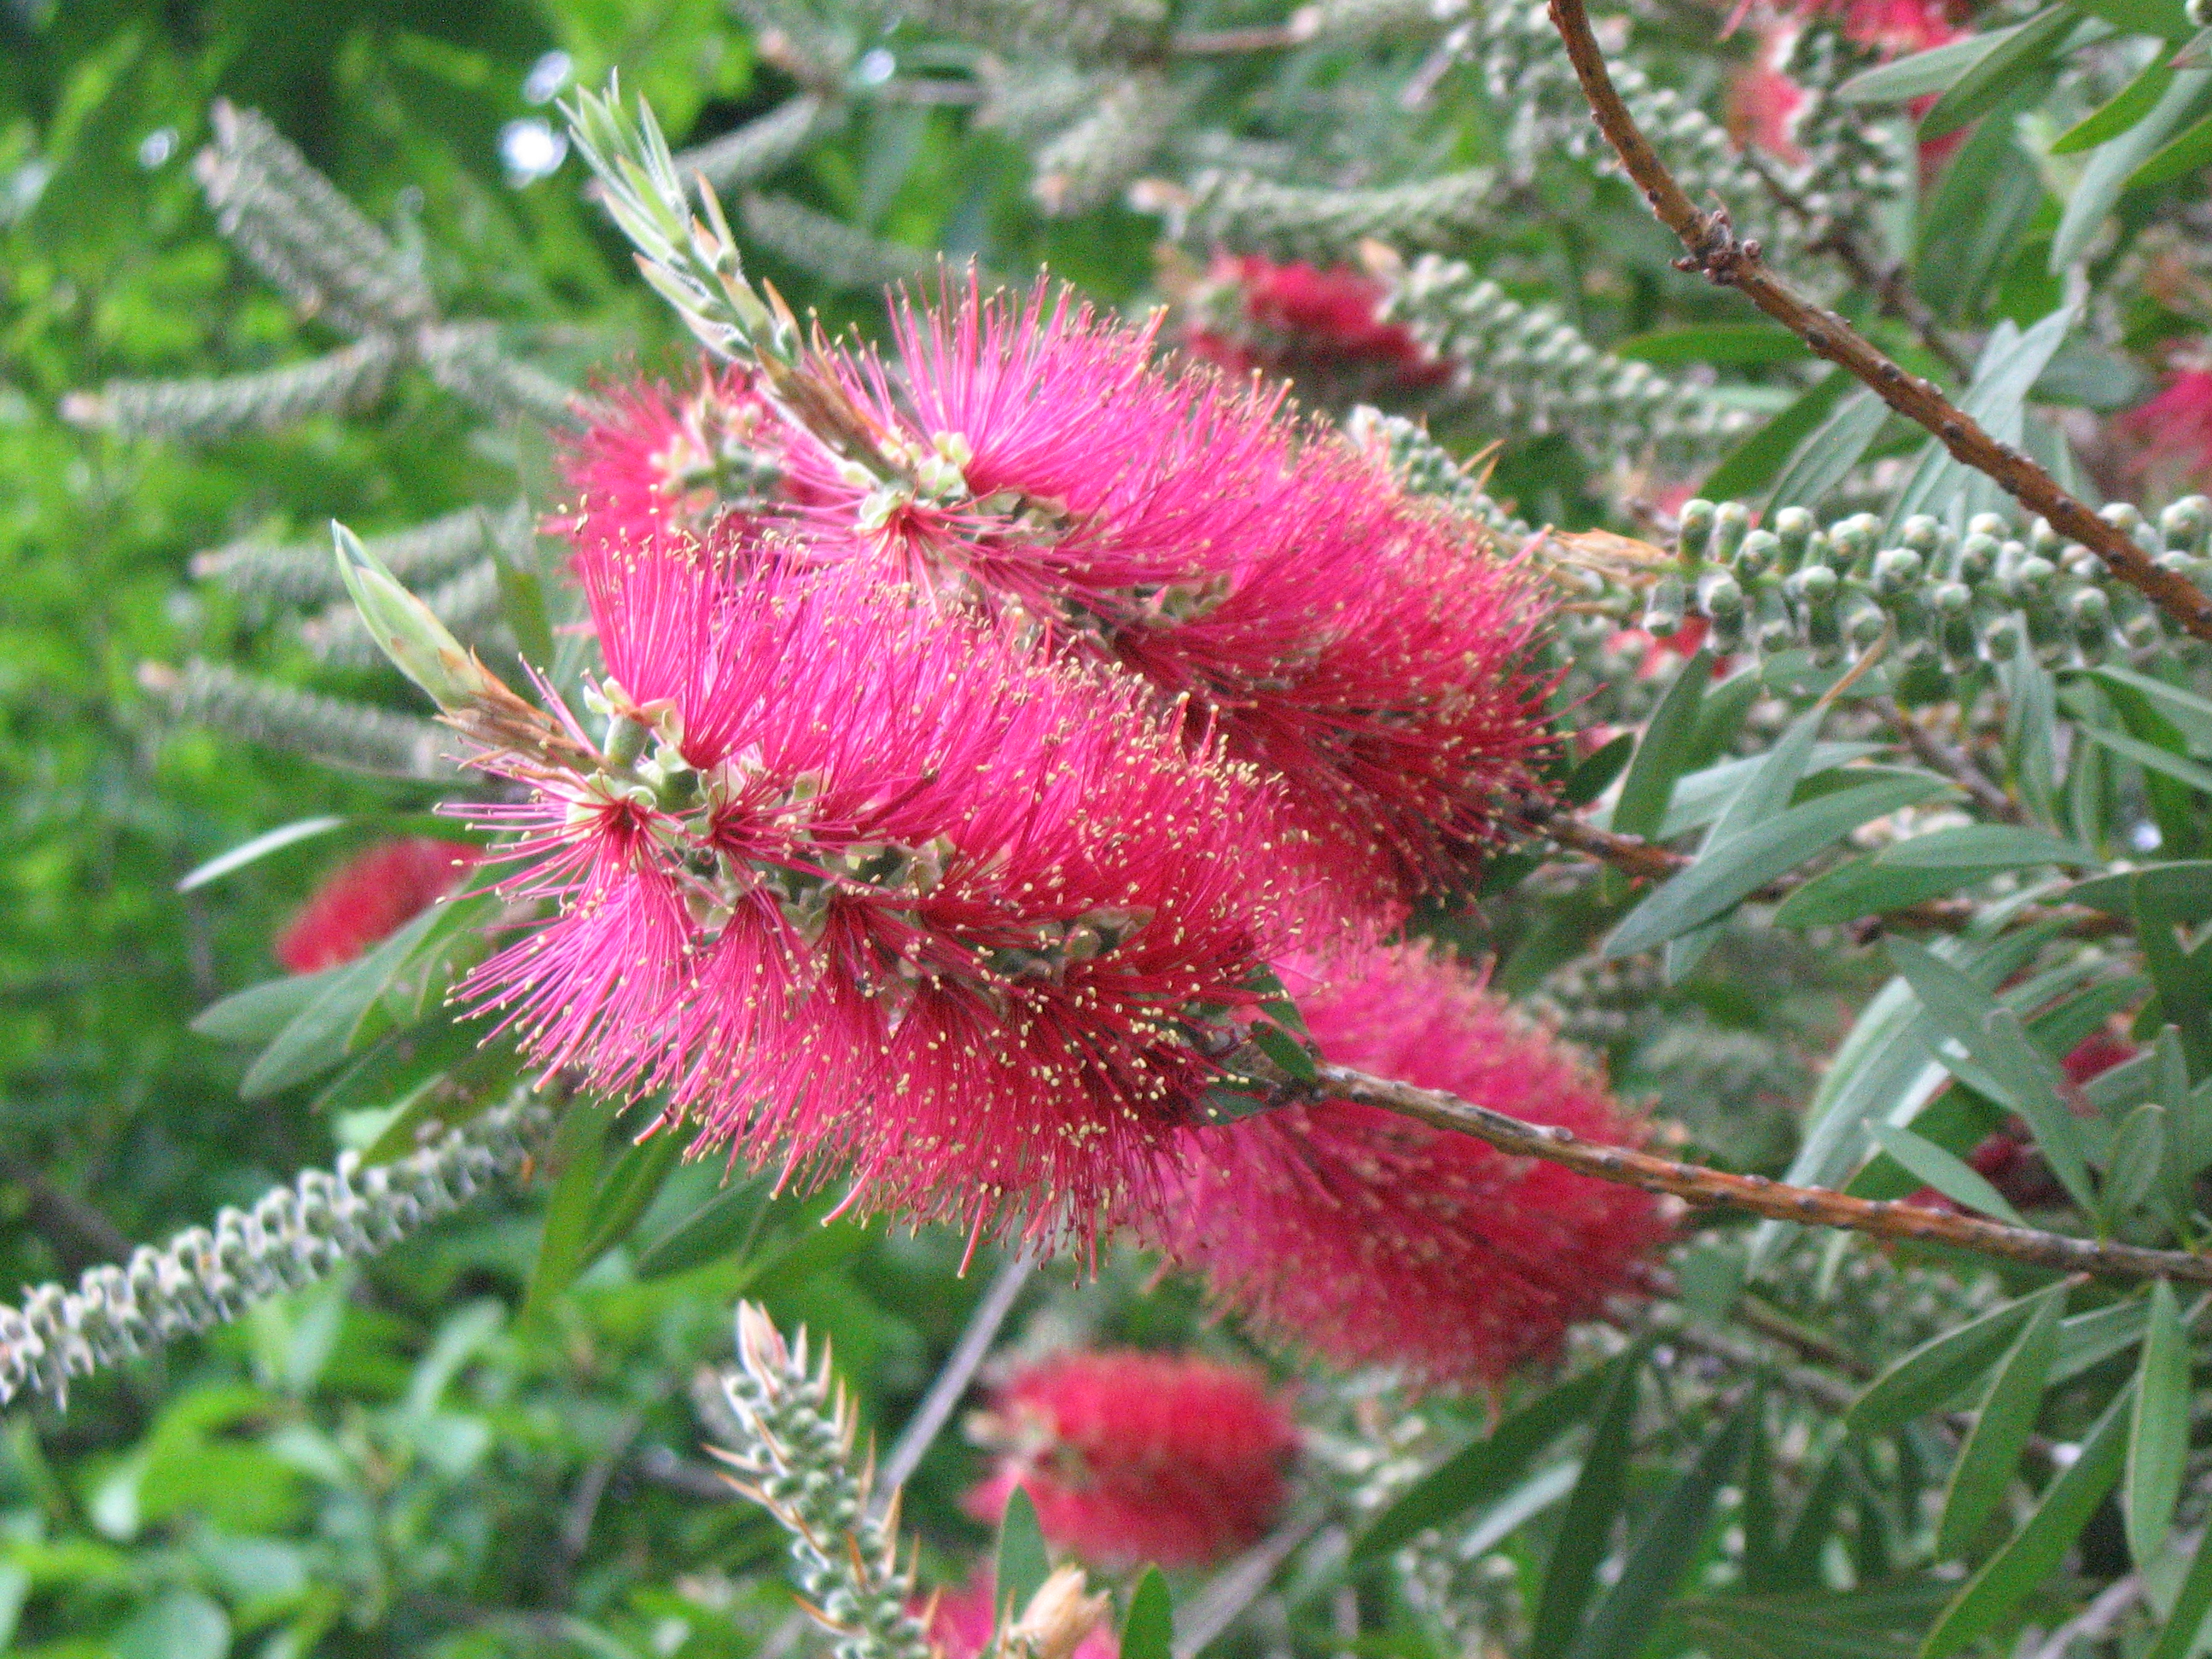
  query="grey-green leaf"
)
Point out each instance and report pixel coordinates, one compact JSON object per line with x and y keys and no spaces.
{"x":2158,"y":1436}
{"x":1990,"y":1456}
{"x":1937,"y":1372}
{"x":1949,"y":1175}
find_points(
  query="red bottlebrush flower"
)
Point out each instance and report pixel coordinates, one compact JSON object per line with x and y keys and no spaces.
{"x":1252,"y":314}
{"x":1374,"y":1240}
{"x":2007,"y":1158}
{"x":961,"y":1622}
{"x":1140,"y":1457}
{"x":1764,"y":104}
{"x":371,"y":895}
{"x":879,"y":888}
{"x":653,"y":462}
{"x":1363,"y":645}
{"x":2175,"y":427}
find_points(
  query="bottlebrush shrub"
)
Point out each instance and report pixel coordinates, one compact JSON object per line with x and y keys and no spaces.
{"x":370,"y":896}
{"x":1271,"y":581}
{"x":859,"y":881}
{"x":1371,"y":1239}
{"x":1252,"y":313}
{"x":1132,"y":1456}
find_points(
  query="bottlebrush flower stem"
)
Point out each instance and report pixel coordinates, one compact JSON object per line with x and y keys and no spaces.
{"x":1807,"y":1205}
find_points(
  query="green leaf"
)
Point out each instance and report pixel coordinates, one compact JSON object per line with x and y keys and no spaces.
{"x":1866,"y":886}
{"x":2092,"y":1337}
{"x":1666,"y":1542}
{"x":2184,"y":979}
{"x":1700,"y":796}
{"x":2035,"y":1550}
{"x":2163,"y":762}
{"x":2158,"y":1435}
{"x":724,"y":1225}
{"x":2021,"y":1076}
{"x":2166,"y":18}
{"x":1149,"y":1630}
{"x":260,"y":847}
{"x":2011,"y":362}
{"x":1716,"y":342}
{"x":1994,"y":73}
{"x":1831,"y":451}
{"x":1936,"y":1373}
{"x":2178,"y":1640}
{"x":1592,"y":776}
{"x":1937,"y":69}
{"x":578,"y":1153}
{"x":2182,"y":890}
{"x":1760,"y":456}
{"x":2112,"y":162}
{"x":1285,"y":1050}
{"x":1023,"y":1562}
{"x":1952,"y":1176}
{"x":2132,"y":1173}
{"x":1586,"y":1529}
{"x":181,"y":1623}
{"x":1663,"y":752}
{"x":522,"y":600}
{"x":2129,"y":105}
{"x":1991,"y":1453}
{"x":2185,"y":156}
{"x":259,"y":1012}
{"x":1764,"y":793}
{"x":1984,"y":203}
{"x":2190,"y":713}
{"x":1715,"y":884}
{"x":1481,"y":1471}
{"x":1985,"y":846}
{"x":1875,"y":1621}
{"x":632,"y":1185}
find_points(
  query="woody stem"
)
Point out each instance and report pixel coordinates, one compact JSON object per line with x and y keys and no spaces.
{"x":1808,"y":1206}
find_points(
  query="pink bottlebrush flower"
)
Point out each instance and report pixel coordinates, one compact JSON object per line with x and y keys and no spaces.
{"x":371,"y":895}
{"x":2175,"y":427}
{"x":1361,"y":644}
{"x":1764,"y":104}
{"x":881,"y":889}
{"x":1134,"y":1456}
{"x":1895,"y":27}
{"x":1371,"y":1239}
{"x":653,"y":461}
{"x":1255,"y":314}
{"x":961,"y":1622}
{"x":2006,"y":1157}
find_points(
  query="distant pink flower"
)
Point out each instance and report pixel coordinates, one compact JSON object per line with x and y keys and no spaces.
{"x":1764,"y":104}
{"x":1255,"y":314}
{"x":888,"y":892}
{"x":1134,"y":1456}
{"x":1371,"y":1239}
{"x":1365,"y":647}
{"x":961,"y":1622}
{"x":2175,"y":427}
{"x":1896,"y":28}
{"x":370,"y":896}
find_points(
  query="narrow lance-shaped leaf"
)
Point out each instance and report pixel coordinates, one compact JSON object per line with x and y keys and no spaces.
{"x":1991,"y":1453}
{"x":1023,"y":1563}
{"x":1949,"y":1175}
{"x":1664,"y":753}
{"x":1937,"y":1372}
{"x":1149,"y":1630}
{"x":2158,"y":1435}
{"x":1586,"y":1529}
{"x":2035,"y":1551}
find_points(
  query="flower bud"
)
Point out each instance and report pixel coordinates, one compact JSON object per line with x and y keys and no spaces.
{"x":409,"y":632}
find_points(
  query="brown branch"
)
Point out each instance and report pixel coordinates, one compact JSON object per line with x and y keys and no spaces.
{"x":1715,"y":250}
{"x":1807,"y":1206}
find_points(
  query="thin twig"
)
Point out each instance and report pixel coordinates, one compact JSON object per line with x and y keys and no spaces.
{"x":1715,"y":251}
{"x":2096,"y":1620}
{"x":1891,"y":289}
{"x":1955,"y":764}
{"x":1224,"y":1597}
{"x":922,"y":1429}
{"x":1807,"y":1205}
{"x":1819,"y":1387}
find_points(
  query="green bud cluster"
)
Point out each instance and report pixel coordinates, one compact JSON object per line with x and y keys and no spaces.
{"x":795,"y":1457}
{"x":292,"y":1235}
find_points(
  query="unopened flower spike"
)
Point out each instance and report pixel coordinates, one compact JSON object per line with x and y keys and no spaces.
{"x":473,"y":700}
